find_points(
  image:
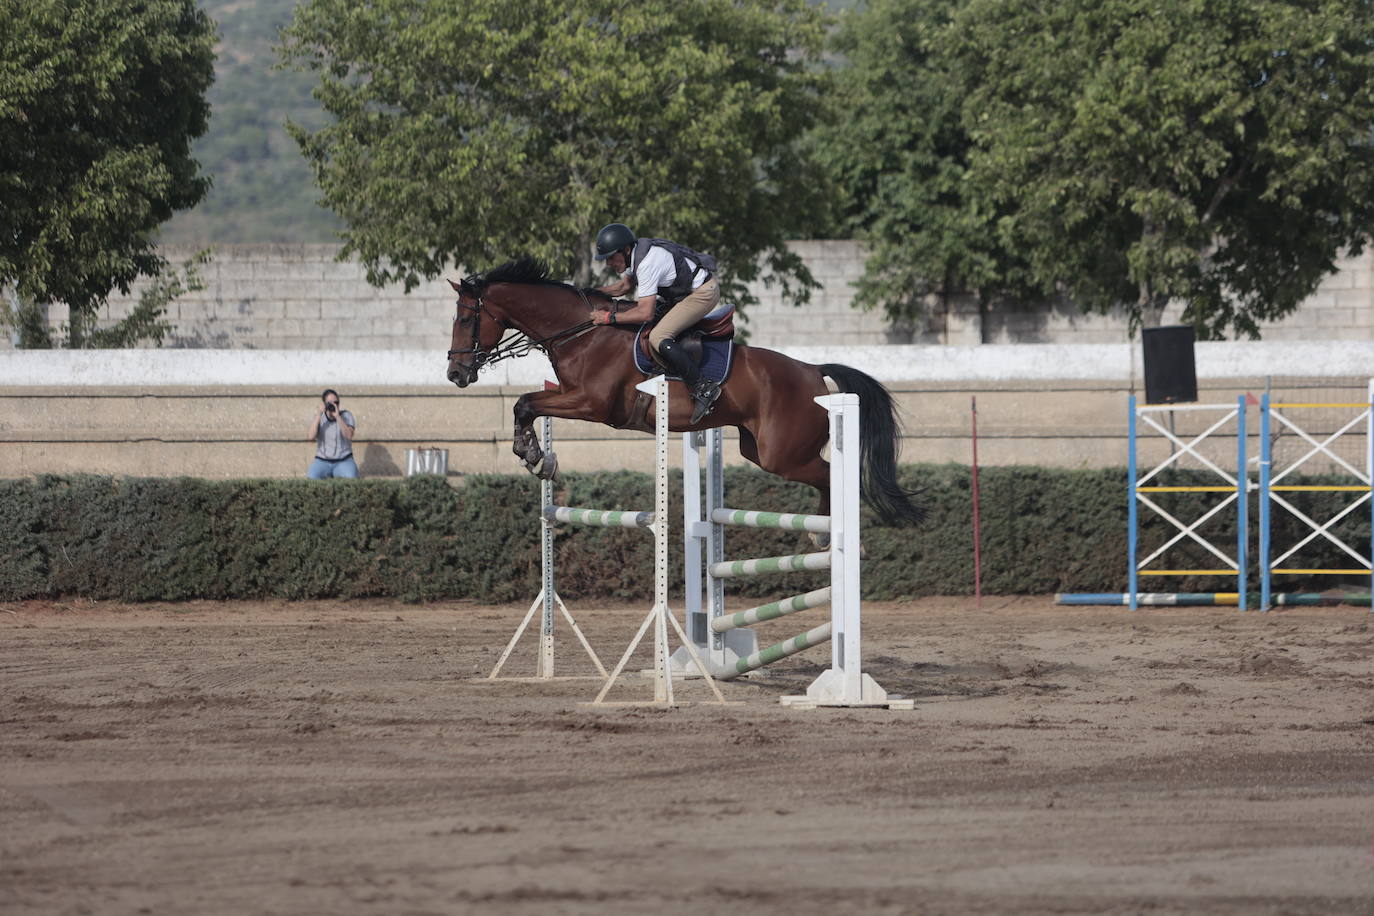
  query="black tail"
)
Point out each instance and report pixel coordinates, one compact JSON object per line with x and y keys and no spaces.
{"x":878,"y":435}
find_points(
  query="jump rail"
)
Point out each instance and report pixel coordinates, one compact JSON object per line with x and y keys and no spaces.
{"x":729,"y":649}
{"x":655,"y":521}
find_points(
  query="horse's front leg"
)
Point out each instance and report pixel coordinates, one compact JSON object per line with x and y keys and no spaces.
{"x":526,"y":443}
{"x":569,"y":405}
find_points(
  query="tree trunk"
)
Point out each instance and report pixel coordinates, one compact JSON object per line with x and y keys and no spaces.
{"x":76,"y":328}
{"x":1150,"y":306}
{"x":1152,"y":314}
{"x":30,"y":324}
{"x":582,"y":275}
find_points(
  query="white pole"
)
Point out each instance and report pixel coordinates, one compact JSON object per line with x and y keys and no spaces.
{"x":544,"y":666}
{"x":715,"y":551}
{"x":548,"y":598}
{"x":704,"y":546}
{"x":845,"y":684}
{"x":694,"y":535}
{"x":663,"y":673}
{"x":659,"y":616}
{"x":844,"y":542}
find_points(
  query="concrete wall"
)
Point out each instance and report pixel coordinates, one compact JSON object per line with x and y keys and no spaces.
{"x":297,"y":297}
{"x":245,"y":414}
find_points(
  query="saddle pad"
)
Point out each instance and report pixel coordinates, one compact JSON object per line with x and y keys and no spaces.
{"x":715,"y":363}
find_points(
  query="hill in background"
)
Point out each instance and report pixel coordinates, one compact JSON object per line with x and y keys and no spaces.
{"x":263,"y":191}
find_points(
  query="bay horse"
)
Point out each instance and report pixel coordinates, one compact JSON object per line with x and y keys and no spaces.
{"x":767,"y":396}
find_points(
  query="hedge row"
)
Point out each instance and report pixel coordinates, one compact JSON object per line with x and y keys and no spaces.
{"x":143,"y":539}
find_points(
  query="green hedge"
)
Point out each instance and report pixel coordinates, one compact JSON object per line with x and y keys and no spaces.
{"x":143,"y":539}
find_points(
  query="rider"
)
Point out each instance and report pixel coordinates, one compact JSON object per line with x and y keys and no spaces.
{"x":672,"y":283}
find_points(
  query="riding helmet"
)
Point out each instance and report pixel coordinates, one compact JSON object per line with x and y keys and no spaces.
{"x":612,"y":238}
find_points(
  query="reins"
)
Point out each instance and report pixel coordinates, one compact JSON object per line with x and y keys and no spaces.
{"x":520,"y":343}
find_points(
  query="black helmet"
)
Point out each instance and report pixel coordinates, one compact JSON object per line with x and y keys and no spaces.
{"x":612,"y":238}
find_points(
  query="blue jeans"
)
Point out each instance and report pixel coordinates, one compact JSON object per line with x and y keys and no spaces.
{"x":321,"y":468}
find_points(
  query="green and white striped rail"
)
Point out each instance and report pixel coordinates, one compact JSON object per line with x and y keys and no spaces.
{"x":773,"y":653}
{"x":600,"y":518}
{"x":786,"y":521}
{"x":764,"y":565}
{"x":725,"y":640}
{"x":772,"y":611}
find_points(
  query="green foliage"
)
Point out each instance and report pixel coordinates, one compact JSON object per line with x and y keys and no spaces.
{"x":469,"y":133}
{"x":1212,"y":151}
{"x":143,"y":539}
{"x":1123,"y":152}
{"x":99,"y":103}
{"x":897,"y":149}
{"x":145,"y":322}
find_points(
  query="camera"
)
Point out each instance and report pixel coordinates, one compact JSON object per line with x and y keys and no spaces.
{"x":330,"y":409}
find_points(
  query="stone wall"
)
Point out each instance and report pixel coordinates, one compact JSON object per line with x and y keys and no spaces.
{"x":243,"y":413}
{"x":297,"y":297}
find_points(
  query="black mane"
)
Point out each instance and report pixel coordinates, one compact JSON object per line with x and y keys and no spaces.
{"x":524,"y":269}
{"x":521,"y":270}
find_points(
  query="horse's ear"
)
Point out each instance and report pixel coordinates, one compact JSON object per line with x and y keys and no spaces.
{"x":457,"y":287}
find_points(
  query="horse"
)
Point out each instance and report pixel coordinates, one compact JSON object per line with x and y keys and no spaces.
{"x":767,"y":396}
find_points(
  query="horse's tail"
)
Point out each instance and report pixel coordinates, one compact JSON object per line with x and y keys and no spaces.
{"x":878,"y":438}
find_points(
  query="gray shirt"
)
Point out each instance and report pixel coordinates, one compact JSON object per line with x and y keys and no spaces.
{"x":330,"y":443}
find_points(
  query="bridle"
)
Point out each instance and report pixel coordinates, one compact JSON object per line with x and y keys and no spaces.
{"x":513,"y":347}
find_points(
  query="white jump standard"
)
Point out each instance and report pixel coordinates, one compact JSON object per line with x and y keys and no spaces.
{"x":548,"y":598}
{"x":657,"y":522}
{"x":728,"y":649}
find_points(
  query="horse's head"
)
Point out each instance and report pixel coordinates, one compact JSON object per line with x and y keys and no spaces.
{"x":476,"y":330}
{"x":517,"y":297}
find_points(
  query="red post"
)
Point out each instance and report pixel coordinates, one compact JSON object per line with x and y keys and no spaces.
{"x":977,"y":528}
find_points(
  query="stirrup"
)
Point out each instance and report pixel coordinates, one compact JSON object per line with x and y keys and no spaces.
{"x":705,"y":394}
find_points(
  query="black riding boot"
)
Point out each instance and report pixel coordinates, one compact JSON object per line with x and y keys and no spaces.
{"x":704,"y":391}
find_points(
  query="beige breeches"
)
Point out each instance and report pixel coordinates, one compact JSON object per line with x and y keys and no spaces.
{"x":695,"y":306}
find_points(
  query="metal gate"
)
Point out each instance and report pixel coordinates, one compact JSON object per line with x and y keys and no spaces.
{"x":1228,"y":494}
{"x":1274,"y":418}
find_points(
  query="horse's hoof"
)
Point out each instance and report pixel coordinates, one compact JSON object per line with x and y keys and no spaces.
{"x":820,"y":539}
{"x":549,"y":469}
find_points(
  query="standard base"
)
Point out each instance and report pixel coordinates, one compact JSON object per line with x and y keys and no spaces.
{"x":659,"y":704}
{"x":805,"y":702}
{"x":739,"y":644}
{"x":828,"y":690}
{"x":535,"y":678}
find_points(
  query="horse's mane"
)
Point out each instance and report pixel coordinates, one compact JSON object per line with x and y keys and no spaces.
{"x":525,"y":269}
{"x":521,"y":270}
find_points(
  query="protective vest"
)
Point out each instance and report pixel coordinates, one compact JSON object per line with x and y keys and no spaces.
{"x":683,"y":274}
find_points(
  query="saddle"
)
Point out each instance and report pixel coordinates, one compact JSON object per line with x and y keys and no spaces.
{"x":719,"y":325}
{"x":710,"y":342}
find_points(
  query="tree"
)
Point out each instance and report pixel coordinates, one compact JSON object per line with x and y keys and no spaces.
{"x":897,"y":150}
{"x":1212,"y":151}
{"x":471,"y":132}
{"x":144,"y":323}
{"x":99,"y":103}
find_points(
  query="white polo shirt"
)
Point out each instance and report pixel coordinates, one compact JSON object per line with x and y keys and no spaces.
{"x":657,"y":270}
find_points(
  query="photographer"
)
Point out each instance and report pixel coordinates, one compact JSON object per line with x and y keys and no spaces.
{"x":332,"y":431}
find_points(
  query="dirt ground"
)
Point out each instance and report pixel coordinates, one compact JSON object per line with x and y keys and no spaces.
{"x":340,"y":758}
